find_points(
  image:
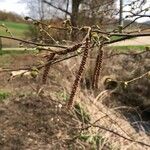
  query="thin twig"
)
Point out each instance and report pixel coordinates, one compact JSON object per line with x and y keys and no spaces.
{"x":118,"y":134}
{"x":33,"y":43}
{"x":137,"y":78}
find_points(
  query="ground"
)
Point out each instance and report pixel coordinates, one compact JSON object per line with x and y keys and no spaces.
{"x":31,"y":122}
{"x":30,"y":119}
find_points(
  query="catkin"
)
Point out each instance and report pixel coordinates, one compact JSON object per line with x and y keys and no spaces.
{"x":47,"y":68}
{"x":97,"y":69}
{"x":78,"y":76}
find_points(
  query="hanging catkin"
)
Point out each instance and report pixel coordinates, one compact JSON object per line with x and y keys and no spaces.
{"x":78,"y":76}
{"x":97,"y":69}
{"x":47,"y":68}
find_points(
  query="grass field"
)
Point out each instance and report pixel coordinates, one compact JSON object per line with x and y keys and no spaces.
{"x":17,"y":29}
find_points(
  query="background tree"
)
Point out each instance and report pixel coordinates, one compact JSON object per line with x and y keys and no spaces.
{"x":84,"y":12}
{"x":98,"y":12}
{"x":37,"y":9}
{"x":84,"y":8}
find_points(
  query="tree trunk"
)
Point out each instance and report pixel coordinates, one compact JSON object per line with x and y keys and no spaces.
{"x":74,"y":16}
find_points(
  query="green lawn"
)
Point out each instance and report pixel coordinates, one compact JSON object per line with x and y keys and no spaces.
{"x":17,"y":29}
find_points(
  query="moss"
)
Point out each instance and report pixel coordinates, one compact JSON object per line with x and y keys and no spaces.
{"x":4,"y":95}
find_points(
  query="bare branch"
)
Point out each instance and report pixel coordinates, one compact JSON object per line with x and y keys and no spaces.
{"x":30,"y":42}
{"x":118,"y":134}
{"x":58,"y":8}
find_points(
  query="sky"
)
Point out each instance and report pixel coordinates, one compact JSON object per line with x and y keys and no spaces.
{"x":13,"y":6}
{"x":147,"y":5}
{"x":20,"y":8}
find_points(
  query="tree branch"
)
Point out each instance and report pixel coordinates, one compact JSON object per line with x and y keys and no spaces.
{"x":58,"y":8}
{"x":33,"y":43}
{"x":118,"y":134}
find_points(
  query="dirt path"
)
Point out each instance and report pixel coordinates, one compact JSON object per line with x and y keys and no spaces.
{"x":135,"y":41}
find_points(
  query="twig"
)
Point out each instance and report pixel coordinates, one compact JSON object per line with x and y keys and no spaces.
{"x":58,"y":8}
{"x":50,"y":37}
{"x":33,"y":43}
{"x":7,"y":30}
{"x":118,"y":134}
{"x":47,"y":68}
{"x":137,"y":78}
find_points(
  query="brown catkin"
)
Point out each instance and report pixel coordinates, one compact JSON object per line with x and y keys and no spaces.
{"x":97,"y":69}
{"x":78,"y":76}
{"x":47,"y":68}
